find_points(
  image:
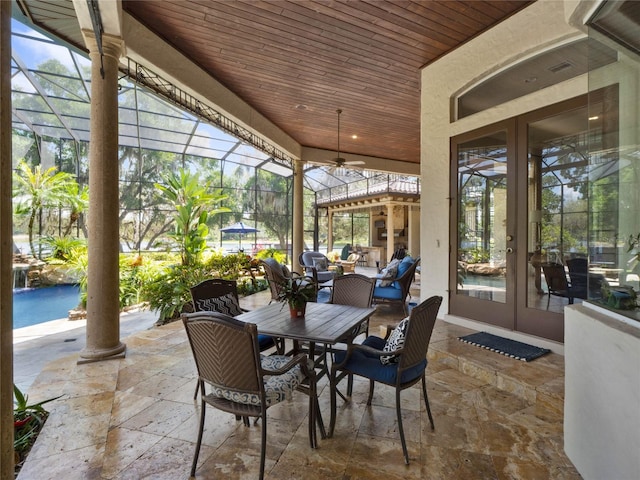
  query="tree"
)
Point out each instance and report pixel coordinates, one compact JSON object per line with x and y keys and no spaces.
{"x":37,"y":190}
{"x":270,"y":197}
{"x":193,"y":206}
{"x":143,"y":214}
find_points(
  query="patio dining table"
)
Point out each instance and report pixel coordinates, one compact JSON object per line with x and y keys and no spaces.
{"x":323,"y":323}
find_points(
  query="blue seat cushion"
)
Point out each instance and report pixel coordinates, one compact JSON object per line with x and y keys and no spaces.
{"x":265,"y":341}
{"x":375,"y":342}
{"x":389,"y":293}
{"x":370,"y":367}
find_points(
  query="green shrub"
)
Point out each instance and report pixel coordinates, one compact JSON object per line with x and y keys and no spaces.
{"x":63,"y":248}
{"x":272,"y":253}
{"x":249,"y":286}
{"x":477,"y":255}
{"x":168,"y":293}
{"x":227,"y":266}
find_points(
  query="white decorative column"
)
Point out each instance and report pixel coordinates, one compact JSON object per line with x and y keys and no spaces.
{"x":298,"y":209}
{"x":103,"y":309}
{"x":329,"y":230}
{"x":413,"y":235}
{"x":390,"y":230}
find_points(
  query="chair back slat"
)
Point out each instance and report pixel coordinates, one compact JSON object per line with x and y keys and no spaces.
{"x":353,"y":289}
{"x":421,"y":322}
{"x":555,"y":276}
{"x":225,"y":351}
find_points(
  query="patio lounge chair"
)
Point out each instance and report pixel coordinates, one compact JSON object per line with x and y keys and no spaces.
{"x":349,"y":265}
{"x":316,"y":265}
{"x":394,"y":288}
{"x":557,"y":284}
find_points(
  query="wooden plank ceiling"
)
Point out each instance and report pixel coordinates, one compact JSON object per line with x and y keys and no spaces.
{"x":296,"y":62}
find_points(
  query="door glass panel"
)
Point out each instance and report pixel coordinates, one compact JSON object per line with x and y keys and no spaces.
{"x":557,"y":209}
{"x":482,"y":218}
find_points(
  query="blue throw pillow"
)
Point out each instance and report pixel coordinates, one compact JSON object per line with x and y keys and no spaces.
{"x":404,"y":265}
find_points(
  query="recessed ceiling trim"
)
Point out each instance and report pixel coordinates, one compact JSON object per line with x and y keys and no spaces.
{"x":518,"y":59}
{"x":549,"y":66}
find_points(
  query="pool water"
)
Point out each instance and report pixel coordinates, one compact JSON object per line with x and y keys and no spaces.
{"x":37,"y":305}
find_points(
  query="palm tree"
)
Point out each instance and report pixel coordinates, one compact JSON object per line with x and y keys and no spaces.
{"x":194,"y":204}
{"x":78,"y":200}
{"x":37,"y":189}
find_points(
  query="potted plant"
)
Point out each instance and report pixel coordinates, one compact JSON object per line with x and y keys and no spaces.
{"x":28,"y":420}
{"x":296,"y":292}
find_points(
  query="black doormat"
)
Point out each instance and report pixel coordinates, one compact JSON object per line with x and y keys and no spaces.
{"x":505,"y":346}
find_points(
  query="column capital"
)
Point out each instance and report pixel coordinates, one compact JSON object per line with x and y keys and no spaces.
{"x":298,"y":165}
{"x":112,"y":46}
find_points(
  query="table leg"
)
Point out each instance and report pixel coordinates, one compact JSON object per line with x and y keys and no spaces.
{"x":323,"y":370}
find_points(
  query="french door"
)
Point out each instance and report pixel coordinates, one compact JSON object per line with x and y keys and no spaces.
{"x":518,"y":201}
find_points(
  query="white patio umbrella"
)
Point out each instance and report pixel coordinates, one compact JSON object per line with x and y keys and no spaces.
{"x":240,"y":228}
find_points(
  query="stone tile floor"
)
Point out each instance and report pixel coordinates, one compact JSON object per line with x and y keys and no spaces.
{"x":134,"y":418}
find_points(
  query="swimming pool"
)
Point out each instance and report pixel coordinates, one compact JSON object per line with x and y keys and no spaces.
{"x":37,"y":305}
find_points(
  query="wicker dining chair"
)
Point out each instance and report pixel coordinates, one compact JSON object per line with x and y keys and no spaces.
{"x":220,"y":295}
{"x":242,"y":381}
{"x":277,"y":274}
{"x":400,"y":360}
{"x":355,"y":290}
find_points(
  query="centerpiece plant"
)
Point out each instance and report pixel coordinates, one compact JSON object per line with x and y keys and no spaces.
{"x":296,"y":291}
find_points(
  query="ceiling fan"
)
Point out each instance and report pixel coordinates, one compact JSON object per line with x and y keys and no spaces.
{"x":340,"y":161}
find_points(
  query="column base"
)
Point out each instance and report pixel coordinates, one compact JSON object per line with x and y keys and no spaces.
{"x":96,"y":355}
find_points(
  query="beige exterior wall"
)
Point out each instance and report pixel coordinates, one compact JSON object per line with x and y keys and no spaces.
{"x":602,"y":393}
{"x":543,"y":25}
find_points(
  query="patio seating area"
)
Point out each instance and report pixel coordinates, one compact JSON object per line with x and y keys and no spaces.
{"x":495,"y":417}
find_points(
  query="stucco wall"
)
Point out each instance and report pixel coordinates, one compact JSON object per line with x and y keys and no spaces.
{"x":541,"y":26}
{"x":602,"y":393}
